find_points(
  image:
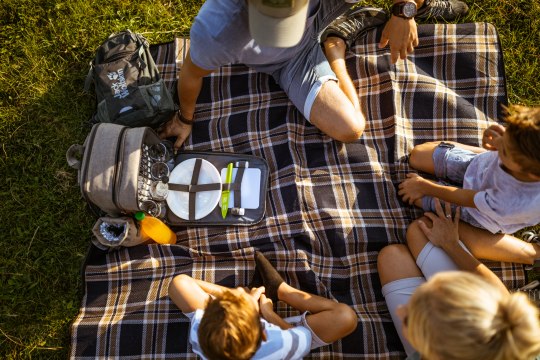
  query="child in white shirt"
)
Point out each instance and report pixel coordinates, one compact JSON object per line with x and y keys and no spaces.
{"x":499,"y":183}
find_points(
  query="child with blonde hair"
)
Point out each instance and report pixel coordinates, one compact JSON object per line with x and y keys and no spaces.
{"x":240,"y":324}
{"x":498,"y":185}
{"x":461,"y":316}
{"x":445,"y":314}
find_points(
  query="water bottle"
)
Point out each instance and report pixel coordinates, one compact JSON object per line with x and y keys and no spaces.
{"x":155,"y":229}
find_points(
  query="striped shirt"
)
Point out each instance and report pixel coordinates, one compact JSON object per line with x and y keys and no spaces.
{"x":288,"y":344}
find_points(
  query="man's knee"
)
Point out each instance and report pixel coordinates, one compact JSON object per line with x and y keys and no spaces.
{"x":352,"y":128}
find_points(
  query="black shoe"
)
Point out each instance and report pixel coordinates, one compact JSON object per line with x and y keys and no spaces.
{"x":256,"y":281}
{"x":270,"y":277}
{"x":532,"y":290}
{"x":354,"y":22}
{"x":531,"y":236}
{"x":447,"y":10}
{"x":534,"y":296}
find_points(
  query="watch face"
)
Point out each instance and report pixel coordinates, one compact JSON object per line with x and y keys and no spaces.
{"x":409,"y":9}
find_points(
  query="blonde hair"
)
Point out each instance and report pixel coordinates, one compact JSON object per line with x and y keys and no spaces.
{"x":524,"y":132}
{"x":230,"y":328}
{"x":458,"y":315}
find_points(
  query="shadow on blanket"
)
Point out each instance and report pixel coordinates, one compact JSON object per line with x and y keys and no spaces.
{"x":330,"y":208}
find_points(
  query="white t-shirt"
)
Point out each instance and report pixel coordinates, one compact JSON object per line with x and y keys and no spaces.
{"x":291,"y":344}
{"x":503,"y":203}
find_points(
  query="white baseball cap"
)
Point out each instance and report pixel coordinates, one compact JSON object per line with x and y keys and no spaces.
{"x":277,"y":23}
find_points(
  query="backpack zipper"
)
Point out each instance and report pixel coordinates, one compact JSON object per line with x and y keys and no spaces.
{"x":117,"y":169}
{"x":119,"y":55}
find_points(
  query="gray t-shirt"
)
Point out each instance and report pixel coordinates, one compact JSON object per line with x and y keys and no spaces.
{"x":503,"y":203}
{"x":220,"y":36}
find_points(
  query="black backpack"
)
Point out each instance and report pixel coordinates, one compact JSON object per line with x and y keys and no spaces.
{"x":128,"y":87}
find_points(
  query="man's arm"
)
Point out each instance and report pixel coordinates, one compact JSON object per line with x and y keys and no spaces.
{"x":189,"y":87}
{"x":401,"y":34}
{"x":415,"y":187}
{"x":444,"y":234}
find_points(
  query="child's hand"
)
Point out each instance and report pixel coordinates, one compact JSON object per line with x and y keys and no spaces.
{"x":266,"y":306}
{"x":491,"y":134}
{"x":412,"y":188}
{"x":444,"y":230}
{"x":256,"y":293}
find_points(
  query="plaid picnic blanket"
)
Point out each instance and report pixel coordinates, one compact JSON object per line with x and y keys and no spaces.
{"x":330,"y":206}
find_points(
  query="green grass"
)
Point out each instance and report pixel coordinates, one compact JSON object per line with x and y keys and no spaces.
{"x":45,"y":47}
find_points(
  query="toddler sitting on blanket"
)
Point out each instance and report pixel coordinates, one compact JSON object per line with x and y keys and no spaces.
{"x":500,"y":187}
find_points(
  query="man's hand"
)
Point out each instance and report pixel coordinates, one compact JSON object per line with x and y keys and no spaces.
{"x":491,"y":136}
{"x":413,"y":188}
{"x":444,"y":232}
{"x":174,"y":127}
{"x":402,"y":36}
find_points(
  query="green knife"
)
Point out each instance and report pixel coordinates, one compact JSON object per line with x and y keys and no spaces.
{"x":225,"y":194}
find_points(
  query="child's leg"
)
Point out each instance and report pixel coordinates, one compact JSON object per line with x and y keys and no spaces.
{"x":328,"y":319}
{"x":400,"y":277}
{"x":481,"y":243}
{"x":498,"y":247}
{"x":422,"y":155}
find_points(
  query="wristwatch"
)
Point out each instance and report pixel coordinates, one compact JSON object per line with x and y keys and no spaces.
{"x":404,"y":9}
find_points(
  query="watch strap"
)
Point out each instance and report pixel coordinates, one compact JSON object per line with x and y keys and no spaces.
{"x":184,"y":120}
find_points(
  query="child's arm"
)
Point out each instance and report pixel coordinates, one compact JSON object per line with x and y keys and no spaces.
{"x":209,"y":288}
{"x":187,"y":294}
{"x":415,"y":187}
{"x":491,"y":136}
{"x":267,"y":312}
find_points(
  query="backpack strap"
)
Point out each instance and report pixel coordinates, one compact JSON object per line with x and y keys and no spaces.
{"x":89,"y":77}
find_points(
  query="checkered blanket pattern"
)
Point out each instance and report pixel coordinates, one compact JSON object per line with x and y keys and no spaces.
{"x":330,"y":207}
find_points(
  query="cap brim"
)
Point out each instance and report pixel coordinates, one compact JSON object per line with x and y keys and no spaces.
{"x":277,"y":32}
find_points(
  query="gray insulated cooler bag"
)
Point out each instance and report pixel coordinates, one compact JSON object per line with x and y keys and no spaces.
{"x":109,"y":166}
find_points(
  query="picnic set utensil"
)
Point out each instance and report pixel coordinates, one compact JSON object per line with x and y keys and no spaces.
{"x":225,"y":194}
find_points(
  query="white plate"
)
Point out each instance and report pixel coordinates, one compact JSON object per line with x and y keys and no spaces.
{"x":205,"y":201}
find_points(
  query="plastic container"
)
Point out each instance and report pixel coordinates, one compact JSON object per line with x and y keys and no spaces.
{"x":155,"y":229}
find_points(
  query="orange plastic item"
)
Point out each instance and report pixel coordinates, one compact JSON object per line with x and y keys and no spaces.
{"x":155,"y":229}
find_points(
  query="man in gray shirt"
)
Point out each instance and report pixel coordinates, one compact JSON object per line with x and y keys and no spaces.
{"x":282,"y":38}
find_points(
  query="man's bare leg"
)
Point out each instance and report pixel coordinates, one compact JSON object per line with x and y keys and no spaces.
{"x":336,"y":109}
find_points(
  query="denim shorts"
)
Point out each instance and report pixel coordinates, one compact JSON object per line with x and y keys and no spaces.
{"x":303,"y":76}
{"x":450,"y":163}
